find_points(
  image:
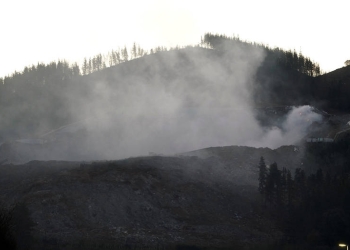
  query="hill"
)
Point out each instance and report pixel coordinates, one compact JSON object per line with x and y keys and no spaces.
{"x":165,"y":202}
{"x":184,"y":108}
{"x":41,"y":97}
{"x":159,"y":103}
{"x":332,"y":90}
{"x":205,"y":199}
{"x":44,"y":97}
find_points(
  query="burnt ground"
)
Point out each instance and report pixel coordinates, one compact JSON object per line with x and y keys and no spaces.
{"x":206,"y":198}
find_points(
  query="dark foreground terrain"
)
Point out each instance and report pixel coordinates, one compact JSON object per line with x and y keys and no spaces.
{"x":206,"y":198}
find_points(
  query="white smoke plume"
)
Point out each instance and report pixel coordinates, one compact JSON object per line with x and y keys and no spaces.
{"x":292,"y":129}
{"x":169,"y":103}
{"x":207,"y":102}
{"x":176,"y":102}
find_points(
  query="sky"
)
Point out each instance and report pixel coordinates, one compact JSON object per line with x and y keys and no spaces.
{"x":35,"y":31}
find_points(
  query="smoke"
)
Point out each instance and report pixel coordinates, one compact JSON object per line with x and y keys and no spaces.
{"x":172,"y":102}
{"x":293,"y":128}
{"x":178,"y":101}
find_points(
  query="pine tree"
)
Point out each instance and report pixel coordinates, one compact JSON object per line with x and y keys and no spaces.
{"x":141,"y":52}
{"x":295,"y":62}
{"x":125,"y":54}
{"x":319,"y":176}
{"x":262,"y":176}
{"x":85,"y":67}
{"x":90,"y":70}
{"x":75,"y":69}
{"x":117,"y":56}
{"x":301,"y":63}
{"x":110,"y":58}
{"x":134,"y":51}
{"x":317,"y":70}
{"x":94,"y":64}
{"x":283,"y":187}
{"x":299,"y":182}
{"x":290,"y":189}
{"x":100,"y":61}
{"x":114,"y":58}
{"x":273,"y":185}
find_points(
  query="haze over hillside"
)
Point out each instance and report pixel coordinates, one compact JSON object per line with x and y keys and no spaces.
{"x":166,"y":102}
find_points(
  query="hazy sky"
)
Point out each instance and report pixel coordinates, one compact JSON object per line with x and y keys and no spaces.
{"x":45,"y":30}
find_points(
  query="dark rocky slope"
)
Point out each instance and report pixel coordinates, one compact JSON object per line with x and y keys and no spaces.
{"x":211,"y":200}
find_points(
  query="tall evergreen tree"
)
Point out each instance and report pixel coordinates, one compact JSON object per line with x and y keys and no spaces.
{"x":262,"y":175}
{"x":141,"y":52}
{"x":125,"y":54}
{"x":94,"y":64}
{"x":90,"y":69}
{"x":289,"y":189}
{"x":301,"y":63}
{"x":299,"y":182}
{"x":85,"y":67}
{"x":283,"y":187}
{"x":134,"y":51}
{"x":75,"y":69}
{"x":273,"y":185}
{"x":110,"y":58}
{"x":118,"y":57}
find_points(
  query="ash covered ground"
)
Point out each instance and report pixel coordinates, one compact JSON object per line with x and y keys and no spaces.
{"x":204,"y":198}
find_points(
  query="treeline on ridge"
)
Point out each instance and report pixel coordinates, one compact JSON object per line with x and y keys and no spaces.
{"x":285,"y":58}
{"x":37,"y":98}
{"x":283,"y":78}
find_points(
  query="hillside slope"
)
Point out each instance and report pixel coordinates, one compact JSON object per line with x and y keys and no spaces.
{"x":211,"y":200}
{"x":332,"y":90}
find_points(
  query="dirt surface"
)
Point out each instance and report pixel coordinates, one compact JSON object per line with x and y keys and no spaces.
{"x":204,"y":198}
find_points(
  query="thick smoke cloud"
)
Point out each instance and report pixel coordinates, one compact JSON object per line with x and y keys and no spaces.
{"x":179,"y":101}
{"x":292,"y":129}
{"x":171,"y":103}
{"x":168,"y":103}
